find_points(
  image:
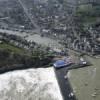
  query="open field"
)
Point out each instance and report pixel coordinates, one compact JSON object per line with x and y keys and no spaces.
{"x":11,"y":48}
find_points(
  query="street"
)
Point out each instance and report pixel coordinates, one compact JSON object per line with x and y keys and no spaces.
{"x":64,"y":83}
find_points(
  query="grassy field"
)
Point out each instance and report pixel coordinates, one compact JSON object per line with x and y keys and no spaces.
{"x":88,"y":14}
{"x":11,"y":48}
{"x":86,"y":81}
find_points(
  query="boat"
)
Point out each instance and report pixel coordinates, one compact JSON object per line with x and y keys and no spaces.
{"x":62,"y":63}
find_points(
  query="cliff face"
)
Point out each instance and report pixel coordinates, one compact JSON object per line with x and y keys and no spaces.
{"x":12,"y":61}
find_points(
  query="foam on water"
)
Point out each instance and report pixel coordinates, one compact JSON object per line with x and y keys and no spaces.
{"x":31,"y":84}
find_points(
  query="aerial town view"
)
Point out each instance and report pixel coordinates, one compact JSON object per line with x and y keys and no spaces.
{"x":49,"y":49}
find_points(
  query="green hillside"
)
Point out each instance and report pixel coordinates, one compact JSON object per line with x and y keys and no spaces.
{"x":88,"y":14}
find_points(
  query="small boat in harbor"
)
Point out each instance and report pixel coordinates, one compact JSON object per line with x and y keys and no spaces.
{"x":63,"y":63}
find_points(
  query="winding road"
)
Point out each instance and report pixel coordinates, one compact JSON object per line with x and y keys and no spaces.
{"x":28,"y":15}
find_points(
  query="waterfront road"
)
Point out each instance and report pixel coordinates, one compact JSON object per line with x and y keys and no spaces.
{"x":34,"y":37}
{"x":64,"y":84}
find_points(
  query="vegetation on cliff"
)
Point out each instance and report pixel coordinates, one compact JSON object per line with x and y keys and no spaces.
{"x":13,"y":57}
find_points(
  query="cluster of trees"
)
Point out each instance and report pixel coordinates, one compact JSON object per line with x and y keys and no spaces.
{"x":17,"y":41}
{"x":88,"y":13}
{"x":34,"y":56}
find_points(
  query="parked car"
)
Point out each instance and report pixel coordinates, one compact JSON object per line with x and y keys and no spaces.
{"x":82,"y":61}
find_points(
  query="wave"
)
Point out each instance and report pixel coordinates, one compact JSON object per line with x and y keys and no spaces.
{"x":30,"y":84}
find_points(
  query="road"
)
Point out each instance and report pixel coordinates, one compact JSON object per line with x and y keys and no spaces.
{"x":35,"y":37}
{"x":64,"y":83}
{"x":28,"y":15}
